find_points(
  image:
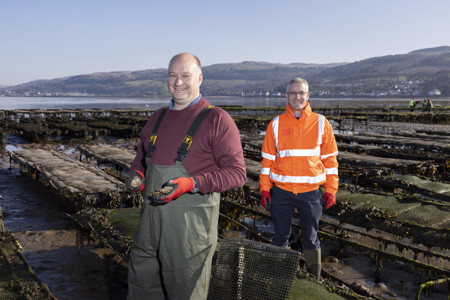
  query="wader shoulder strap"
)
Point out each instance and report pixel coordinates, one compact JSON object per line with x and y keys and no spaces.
{"x":187,"y":141}
{"x":152,"y":140}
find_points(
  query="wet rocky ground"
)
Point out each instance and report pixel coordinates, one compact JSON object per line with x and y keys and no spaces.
{"x":48,"y":235}
{"x":49,"y":241}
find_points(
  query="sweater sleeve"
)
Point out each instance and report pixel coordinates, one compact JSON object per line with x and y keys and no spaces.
{"x":228,"y":156}
{"x":138,"y":162}
{"x":268,"y":153}
{"x":329,"y":153}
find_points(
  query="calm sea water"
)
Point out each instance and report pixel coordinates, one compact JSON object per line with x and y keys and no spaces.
{"x":11,"y":103}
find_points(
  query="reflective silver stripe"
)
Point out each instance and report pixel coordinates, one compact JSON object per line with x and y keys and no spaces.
{"x":328,"y":155}
{"x":268,"y":156}
{"x":265,"y":171}
{"x":300,"y":152}
{"x":275,"y":124}
{"x":331,"y":171}
{"x":298,"y":179}
{"x":321,"y":128}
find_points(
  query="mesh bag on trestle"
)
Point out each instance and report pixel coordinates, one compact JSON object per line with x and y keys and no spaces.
{"x":247,"y":270}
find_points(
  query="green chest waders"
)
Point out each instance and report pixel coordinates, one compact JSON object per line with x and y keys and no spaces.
{"x":174,"y":244}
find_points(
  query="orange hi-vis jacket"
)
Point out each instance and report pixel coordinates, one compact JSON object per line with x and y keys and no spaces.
{"x":298,"y":155}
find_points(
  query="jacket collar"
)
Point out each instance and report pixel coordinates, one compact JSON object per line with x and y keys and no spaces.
{"x":306,"y":111}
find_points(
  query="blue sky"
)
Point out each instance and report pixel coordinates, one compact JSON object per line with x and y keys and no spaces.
{"x":48,"y":39}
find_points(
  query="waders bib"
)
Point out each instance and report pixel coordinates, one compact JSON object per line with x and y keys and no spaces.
{"x":174,"y":244}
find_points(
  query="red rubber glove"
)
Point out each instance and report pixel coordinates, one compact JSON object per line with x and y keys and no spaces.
{"x":329,"y":199}
{"x":265,"y":198}
{"x":181,"y":186}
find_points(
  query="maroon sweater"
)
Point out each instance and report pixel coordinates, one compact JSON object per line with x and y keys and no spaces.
{"x":215,"y":158}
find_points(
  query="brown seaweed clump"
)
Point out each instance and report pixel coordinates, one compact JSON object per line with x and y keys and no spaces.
{"x":95,"y":223}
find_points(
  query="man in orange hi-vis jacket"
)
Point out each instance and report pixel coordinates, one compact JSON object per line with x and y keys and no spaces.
{"x":298,"y":156}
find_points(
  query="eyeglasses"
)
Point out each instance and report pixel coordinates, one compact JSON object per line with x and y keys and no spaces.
{"x":295,"y":94}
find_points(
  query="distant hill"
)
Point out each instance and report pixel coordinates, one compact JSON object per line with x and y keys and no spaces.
{"x":416,"y":63}
{"x":414,"y":73}
{"x":248,"y":76}
{"x":417,"y":72}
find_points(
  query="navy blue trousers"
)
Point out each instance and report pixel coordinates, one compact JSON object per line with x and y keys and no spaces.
{"x":309,"y":208}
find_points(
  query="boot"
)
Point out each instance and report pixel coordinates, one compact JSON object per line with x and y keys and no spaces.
{"x":313,"y":262}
